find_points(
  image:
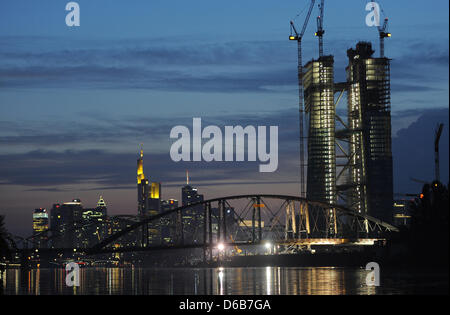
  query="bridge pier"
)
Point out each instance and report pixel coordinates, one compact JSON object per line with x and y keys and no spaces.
{"x":223,"y":220}
{"x":207,"y":232}
{"x":290,"y":221}
{"x":253,"y":220}
{"x":304,"y":216}
{"x":258,"y":200}
{"x":180,"y":232}
{"x":256,"y":220}
{"x":210,"y":231}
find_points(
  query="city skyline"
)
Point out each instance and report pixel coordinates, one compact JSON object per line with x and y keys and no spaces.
{"x":69,"y":132}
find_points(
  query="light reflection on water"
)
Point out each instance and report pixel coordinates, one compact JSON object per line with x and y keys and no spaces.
{"x":218,"y":281}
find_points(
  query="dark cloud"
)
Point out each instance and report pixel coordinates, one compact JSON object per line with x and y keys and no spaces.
{"x":111,"y":131}
{"x":221,"y":67}
{"x":245,"y":66}
{"x":413,"y":151}
{"x":399,"y":87}
{"x":154,"y":53}
{"x":413,"y":146}
{"x":113,"y":169}
{"x":105,"y":77}
{"x":108,"y":170}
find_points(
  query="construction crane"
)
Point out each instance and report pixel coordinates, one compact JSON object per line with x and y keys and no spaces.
{"x":437,"y":137}
{"x":320,"y":30}
{"x":383,"y":33}
{"x":298,"y":37}
{"x":236,"y":248}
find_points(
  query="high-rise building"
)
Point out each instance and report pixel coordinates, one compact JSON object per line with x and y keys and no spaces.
{"x":154,"y":199}
{"x":40,"y":225}
{"x":320,"y":112}
{"x":149,"y":194}
{"x":101,"y":206}
{"x":193,"y":216}
{"x":94,"y":227}
{"x":369,"y":121}
{"x":168,"y":233}
{"x":66,"y":223}
{"x":319,"y":107}
{"x":149,"y":202}
{"x":142,"y":185}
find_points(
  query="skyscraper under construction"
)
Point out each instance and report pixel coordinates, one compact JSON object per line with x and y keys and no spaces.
{"x":369,"y":184}
{"x":318,"y":82}
{"x":369,"y":123}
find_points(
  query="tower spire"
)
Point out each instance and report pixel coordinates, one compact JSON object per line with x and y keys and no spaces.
{"x":187,"y":177}
{"x":101,"y":202}
{"x":140,"y":166}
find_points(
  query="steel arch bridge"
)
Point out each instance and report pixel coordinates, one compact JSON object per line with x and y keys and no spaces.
{"x":293,"y":221}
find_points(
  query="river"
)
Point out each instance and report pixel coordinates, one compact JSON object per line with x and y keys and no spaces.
{"x":218,"y":281}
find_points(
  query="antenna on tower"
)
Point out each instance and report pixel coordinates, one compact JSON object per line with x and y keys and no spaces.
{"x":142,"y":150}
{"x":187,"y":177}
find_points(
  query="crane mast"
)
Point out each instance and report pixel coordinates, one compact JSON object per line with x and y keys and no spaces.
{"x":298,"y":37}
{"x":436,"y":150}
{"x":382,"y":31}
{"x":320,"y":30}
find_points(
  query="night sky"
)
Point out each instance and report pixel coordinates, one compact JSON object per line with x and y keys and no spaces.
{"x":75,"y":103}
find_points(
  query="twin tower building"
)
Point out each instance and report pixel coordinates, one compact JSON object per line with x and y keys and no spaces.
{"x":350,"y":158}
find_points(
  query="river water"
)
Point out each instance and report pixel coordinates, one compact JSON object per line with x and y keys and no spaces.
{"x":218,"y":281}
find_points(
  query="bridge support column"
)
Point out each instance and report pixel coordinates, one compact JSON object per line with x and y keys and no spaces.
{"x":144,"y":235}
{"x":223,"y":219}
{"x":259,"y":205}
{"x":180,"y":233}
{"x":304,"y":219}
{"x":205,"y":231}
{"x":290,"y":221}
{"x":253,"y":220}
{"x":210,"y":231}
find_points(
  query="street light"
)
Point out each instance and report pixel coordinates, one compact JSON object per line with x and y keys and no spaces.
{"x":221,"y":247}
{"x":268,"y":246}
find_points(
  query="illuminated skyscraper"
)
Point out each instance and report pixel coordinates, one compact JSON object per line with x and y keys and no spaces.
{"x":142,"y":185}
{"x":320,"y":110}
{"x":192,"y":217}
{"x":40,"y":225}
{"x":168,"y":233}
{"x":94,"y":227}
{"x":66,"y":223}
{"x":318,"y":82}
{"x":369,"y":119}
{"x":149,"y":202}
{"x":149,"y":194}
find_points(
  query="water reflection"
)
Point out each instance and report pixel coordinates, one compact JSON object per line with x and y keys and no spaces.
{"x":220,"y":281}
